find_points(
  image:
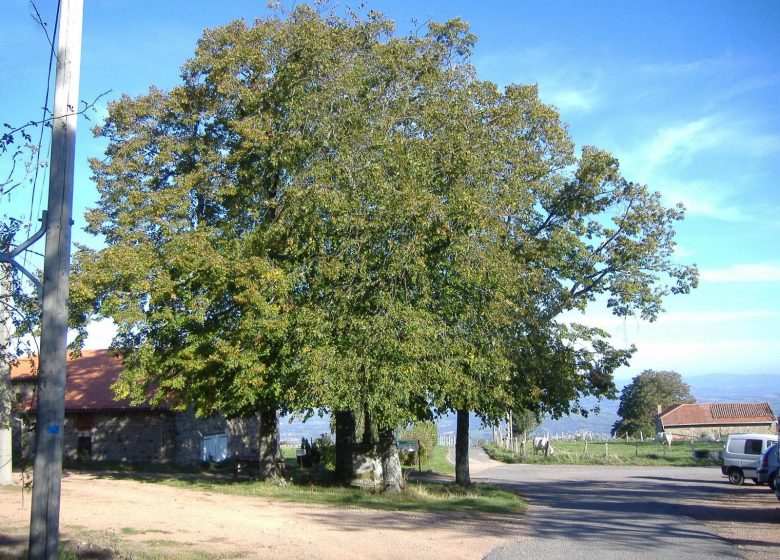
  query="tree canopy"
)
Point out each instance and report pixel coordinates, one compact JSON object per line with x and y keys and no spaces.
{"x":640,"y":399}
{"x":326,"y":215}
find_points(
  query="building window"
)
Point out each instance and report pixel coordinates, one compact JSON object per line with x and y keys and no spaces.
{"x":214,"y":448}
{"x":85,"y":422}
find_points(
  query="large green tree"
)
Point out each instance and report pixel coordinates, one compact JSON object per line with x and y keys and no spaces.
{"x":325,"y":215}
{"x":640,"y":400}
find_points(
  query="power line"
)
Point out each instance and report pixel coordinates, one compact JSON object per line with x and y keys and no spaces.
{"x":52,"y":51}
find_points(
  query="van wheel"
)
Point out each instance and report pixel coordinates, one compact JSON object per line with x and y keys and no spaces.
{"x":736,"y":476}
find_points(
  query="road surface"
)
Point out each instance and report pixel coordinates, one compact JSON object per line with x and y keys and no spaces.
{"x":609,"y":512}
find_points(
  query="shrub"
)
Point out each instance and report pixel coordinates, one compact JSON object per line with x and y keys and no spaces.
{"x":327,"y":452}
{"x":425,"y":432}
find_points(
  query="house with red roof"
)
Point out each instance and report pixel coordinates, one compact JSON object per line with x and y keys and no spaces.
{"x":717,"y":419}
{"x":100,"y":427}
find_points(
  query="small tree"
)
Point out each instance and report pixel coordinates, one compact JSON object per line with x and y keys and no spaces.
{"x":641,"y":398}
{"x":524,"y":421}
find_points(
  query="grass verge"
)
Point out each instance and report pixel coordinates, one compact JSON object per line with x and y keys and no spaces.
{"x":621,"y":453}
{"x":438,"y":462}
{"x":417,"y":496}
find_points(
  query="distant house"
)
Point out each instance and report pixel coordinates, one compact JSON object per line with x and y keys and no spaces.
{"x":716,"y":420}
{"x":102,"y":428}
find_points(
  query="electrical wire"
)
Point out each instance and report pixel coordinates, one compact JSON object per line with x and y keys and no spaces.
{"x":52,"y":55}
{"x":45,"y":103}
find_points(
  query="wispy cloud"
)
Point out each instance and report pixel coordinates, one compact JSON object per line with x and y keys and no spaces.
{"x":678,"y":143}
{"x":703,"y":198}
{"x":757,"y":272}
{"x":569,"y":100}
{"x":570,"y":87}
{"x":665,"y":70}
{"x":686,"y":161}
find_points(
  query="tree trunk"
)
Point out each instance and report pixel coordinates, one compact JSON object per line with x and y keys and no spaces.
{"x":368,"y":438}
{"x":462,"y":475}
{"x":345,"y":442}
{"x":268,"y":441}
{"x":392,"y":475}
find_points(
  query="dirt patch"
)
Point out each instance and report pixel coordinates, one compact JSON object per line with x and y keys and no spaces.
{"x":746,"y":516}
{"x":147,"y":520}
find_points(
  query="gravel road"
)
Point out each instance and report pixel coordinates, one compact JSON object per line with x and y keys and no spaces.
{"x":635,"y":512}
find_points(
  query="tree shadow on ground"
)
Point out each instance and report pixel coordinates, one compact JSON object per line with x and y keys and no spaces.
{"x":643,"y":511}
{"x":14,"y":547}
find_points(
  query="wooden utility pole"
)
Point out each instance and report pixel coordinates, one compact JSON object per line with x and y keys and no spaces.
{"x":6,"y":423}
{"x":47,"y":468}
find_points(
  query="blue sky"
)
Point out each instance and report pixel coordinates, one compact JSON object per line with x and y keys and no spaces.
{"x":685,"y":94}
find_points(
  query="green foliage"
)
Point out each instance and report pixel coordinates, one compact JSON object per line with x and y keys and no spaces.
{"x":640,"y":400}
{"x":327,"y":450}
{"x":326,"y":215}
{"x":524,"y":422}
{"x":426,"y":433}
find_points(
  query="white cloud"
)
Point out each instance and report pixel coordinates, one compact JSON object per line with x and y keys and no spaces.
{"x":702,"y":198}
{"x":571,"y":87}
{"x":757,"y":272}
{"x":687,"y":162}
{"x":680,"y":142}
{"x":569,"y":100}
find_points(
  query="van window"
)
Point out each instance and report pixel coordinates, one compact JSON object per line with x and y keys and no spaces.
{"x":736,"y":446}
{"x":754,"y":446}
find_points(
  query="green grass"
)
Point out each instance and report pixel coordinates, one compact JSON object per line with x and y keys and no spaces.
{"x":316,"y":486}
{"x":417,"y":496}
{"x":438,"y":462}
{"x":133,"y":531}
{"x":646,"y":453}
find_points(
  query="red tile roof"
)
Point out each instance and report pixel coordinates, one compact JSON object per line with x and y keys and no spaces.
{"x":87,"y":384}
{"x":716,"y":414}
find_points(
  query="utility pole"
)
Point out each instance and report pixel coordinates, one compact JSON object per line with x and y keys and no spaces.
{"x":6,"y":454}
{"x":47,"y":468}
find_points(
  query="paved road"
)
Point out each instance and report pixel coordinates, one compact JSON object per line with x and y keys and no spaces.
{"x":608,"y":513}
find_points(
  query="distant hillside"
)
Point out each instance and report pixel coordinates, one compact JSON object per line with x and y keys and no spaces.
{"x":712,"y":388}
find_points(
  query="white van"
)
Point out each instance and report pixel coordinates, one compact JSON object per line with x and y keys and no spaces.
{"x":741,"y":455}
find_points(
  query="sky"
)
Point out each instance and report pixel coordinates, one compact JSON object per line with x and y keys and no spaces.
{"x":685,"y":94}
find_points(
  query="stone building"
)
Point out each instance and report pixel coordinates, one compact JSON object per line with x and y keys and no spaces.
{"x":716,"y":420}
{"x":100,"y":427}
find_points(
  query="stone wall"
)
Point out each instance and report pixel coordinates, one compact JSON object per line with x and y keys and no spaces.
{"x":148,"y":437}
{"x":127,"y":436}
{"x":720,"y":432}
{"x":241,"y":432}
